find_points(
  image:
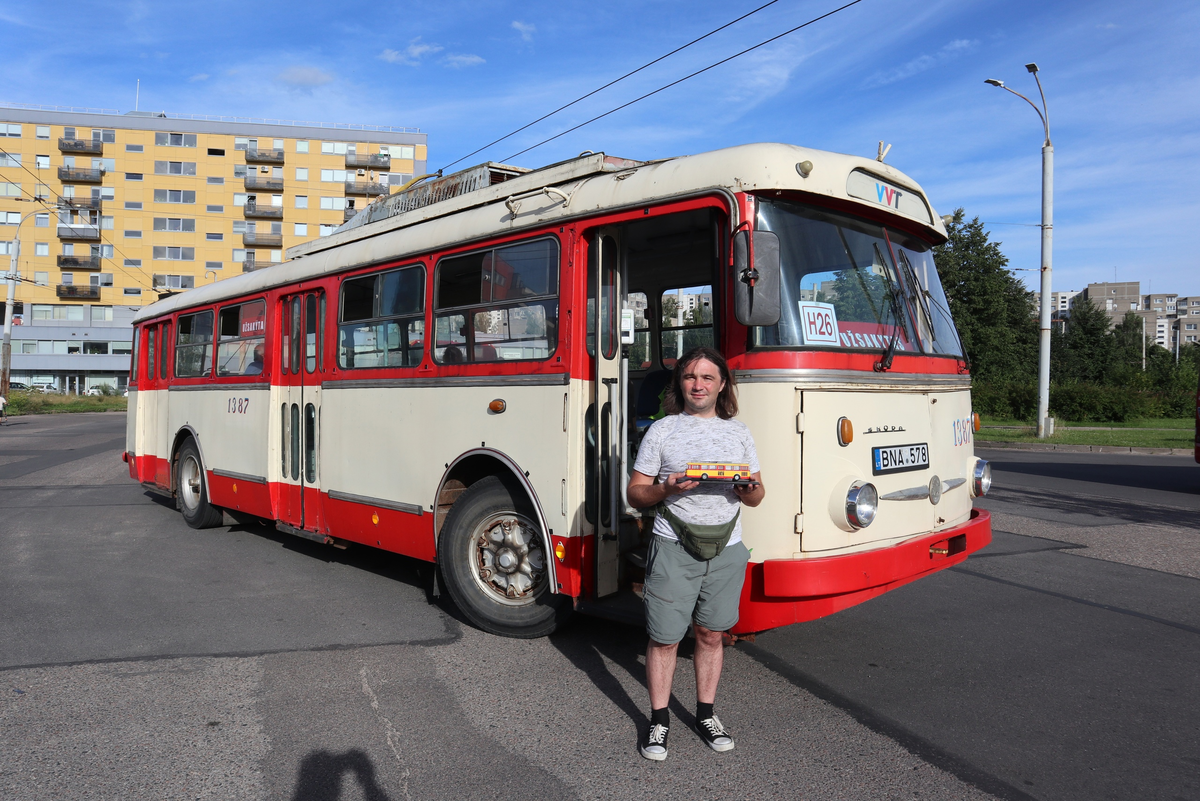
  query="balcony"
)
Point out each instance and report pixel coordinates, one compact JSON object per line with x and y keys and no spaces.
{"x":366,"y":188}
{"x":79,"y":262}
{"x":79,"y":291}
{"x":253,"y":182}
{"x":80,"y":146}
{"x":264,"y":156}
{"x":84,"y":231}
{"x":80,"y":203}
{"x":262,"y":240}
{"x":250,"y":265}
{"x":253,"y":211}
{"x":71,"y":175}
{"x":378,"y":161}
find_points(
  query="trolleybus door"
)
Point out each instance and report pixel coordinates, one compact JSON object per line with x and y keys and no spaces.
{"x":302,"y":365}
{"x":606,"y":413}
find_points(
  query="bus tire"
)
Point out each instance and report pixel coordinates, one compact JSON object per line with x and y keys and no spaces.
{"x":494,"y":563}
{"x":192,"y":494}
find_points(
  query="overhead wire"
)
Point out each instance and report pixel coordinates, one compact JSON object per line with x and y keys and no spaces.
{"x":610,"y":83}
{"x":685,"y":78}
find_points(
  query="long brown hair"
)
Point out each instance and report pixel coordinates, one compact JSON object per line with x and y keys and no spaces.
{"x":727,"y":405}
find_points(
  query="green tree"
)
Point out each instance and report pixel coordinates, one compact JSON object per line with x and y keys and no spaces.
{"x":1090,"y":347}
{"x":993,"y":310}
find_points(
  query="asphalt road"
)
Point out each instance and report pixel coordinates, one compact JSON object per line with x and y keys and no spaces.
{"x":143,"y":660}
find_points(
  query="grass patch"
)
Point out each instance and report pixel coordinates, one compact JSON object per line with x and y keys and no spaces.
{"x":1177,"y":437}
{"x":1176,"y":423}
{"x":40,"y":403}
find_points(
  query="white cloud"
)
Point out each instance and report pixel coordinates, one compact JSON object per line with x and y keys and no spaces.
{"x":199,"y":76}
{"x":412,"y":54}
{"x":921,"y":63}
{"x":525,"y":29}
{"x":460,"y":60}
{"x":304,"y":77}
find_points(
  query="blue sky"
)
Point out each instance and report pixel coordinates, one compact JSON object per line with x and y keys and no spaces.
{"x":1122,"y":81}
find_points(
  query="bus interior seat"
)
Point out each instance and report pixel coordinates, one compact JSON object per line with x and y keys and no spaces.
{"x":648,"y":401}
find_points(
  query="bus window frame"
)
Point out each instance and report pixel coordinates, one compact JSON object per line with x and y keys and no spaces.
{"x":489,"y":305}
{"x":377,"y":276}
{"x":210,"y":370}
{"x":218,"y":341}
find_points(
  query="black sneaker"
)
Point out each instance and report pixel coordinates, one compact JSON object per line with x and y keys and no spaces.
{"x":654,"y":746}
{"x":714,"y":734}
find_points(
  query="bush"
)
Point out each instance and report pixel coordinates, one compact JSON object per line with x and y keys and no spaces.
{"x":1008,"y":400}
{"x":1080,"y":402}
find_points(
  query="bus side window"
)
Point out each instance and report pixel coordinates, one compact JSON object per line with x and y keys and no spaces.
{"x":296,"y":341}
{"x":164,"y":360}
{"x":310,"y":334}
{"x":285,"y":336}
{"x":194,"y":348}
{"x":133,"y":359}
{"x":382,"y":319}
{"x":151,"y":350}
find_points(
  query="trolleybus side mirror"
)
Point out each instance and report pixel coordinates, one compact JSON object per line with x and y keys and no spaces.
{"x":756,"y":277}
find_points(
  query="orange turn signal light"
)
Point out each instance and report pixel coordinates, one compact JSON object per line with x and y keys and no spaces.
{"x":975,"y":420}
{"x":560,"y":551}
{"x":845,"y":431}
{"x":497,"y":406}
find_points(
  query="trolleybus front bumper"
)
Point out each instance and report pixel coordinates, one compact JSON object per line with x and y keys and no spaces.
{"x":779,"y":592}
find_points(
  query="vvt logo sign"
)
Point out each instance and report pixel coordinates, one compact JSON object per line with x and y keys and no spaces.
{"x":888,"y":196}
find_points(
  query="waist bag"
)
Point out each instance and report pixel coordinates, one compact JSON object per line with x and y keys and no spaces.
{"x":702,"y":542}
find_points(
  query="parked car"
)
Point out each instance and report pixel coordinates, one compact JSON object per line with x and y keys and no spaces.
{"x":18,"y":385}
{"x":48,"y":389}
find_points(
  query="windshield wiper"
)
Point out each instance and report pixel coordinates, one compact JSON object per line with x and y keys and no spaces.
{"x":885,"y":361}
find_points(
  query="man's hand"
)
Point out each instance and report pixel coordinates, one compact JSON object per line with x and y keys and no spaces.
{"x":643,"y":492}
{"x":751,"y":494}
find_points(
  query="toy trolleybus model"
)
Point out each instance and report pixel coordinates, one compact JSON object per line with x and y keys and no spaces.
{"x":705,"y":471}
{"x":462,"y":373}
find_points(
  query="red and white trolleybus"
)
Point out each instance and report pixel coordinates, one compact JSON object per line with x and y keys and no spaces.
{"x":462,"y":373}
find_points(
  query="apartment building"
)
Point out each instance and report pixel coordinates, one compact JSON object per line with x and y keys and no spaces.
{"x":115,"y":209}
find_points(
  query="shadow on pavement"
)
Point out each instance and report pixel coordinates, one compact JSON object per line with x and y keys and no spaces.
{"x":320,"y":777}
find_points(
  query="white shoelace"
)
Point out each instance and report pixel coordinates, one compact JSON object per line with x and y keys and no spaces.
{"x":715,"y":729}
{"x":658,"y":734}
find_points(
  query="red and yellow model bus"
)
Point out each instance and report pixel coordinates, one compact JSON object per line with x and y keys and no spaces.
{"x":462,"y":372}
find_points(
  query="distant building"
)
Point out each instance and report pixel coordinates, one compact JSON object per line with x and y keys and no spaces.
{"x":128,"y":206}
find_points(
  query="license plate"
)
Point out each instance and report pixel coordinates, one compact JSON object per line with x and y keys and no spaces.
{"x":899,"y":458}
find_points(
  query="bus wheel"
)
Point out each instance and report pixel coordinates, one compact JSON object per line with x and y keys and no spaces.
{"x":704,"y":476}
{"x":494,"y":563}
{"x":193,"y":496}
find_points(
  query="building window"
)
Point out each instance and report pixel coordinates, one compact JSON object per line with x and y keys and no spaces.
{"x":101,"y":279}
{"x":174,"y":168}
{"x":133,"y":262}
{"x":41,"y":249}
{"x":300,"y":229}
{"x":132,"y":291}
{"x":175,"y":139}
{"x":174,"y":196}
{"x":43,"y":132}
{"x":215,"y":237}
{"x":11,"y":129}
{"x":302,"y":201}
{"x":239,"y":255}
{"x":10,"y":159}
{"x":213,"y":265}
{"x":333,"y":176}
{"x":212,"y":209}
{"x":326,"y":230}
{"x":239,"y":199}
{"x":41,"y":221}
{"x":302,"y":173}
{"x":276,"y":256}
{"x":41,"y":162}
{"x":163,"y":253}
{"x":133,"y":205}
{"x":216,"y":151}
{"x":336,"y":148}
{"x":135,"y":148}
{"x":244,"y":143}
{"x":333,"y":203}
{"x":174,"y":282}
{"x":102,"y":314}
{"x":216,"y":179}
{"x":133,"y":234}
{"x":68,"y":279}
{"x":301,"y":145}
{"x":174,"y":224}
{"x":104,"y":135}
{"x":41,"y":278}
{"x":41,"y":192}
{"x":9,"y":189}
{"x":277,"y":201}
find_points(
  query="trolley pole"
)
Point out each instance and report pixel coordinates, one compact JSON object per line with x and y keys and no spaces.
{"x":1045,"y":423}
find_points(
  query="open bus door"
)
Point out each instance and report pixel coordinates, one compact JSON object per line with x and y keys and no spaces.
{"x":605,"y":415}
{"x":302,"y":365}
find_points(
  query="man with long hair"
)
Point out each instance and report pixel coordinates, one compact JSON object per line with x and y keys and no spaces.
{"x":696,"y":562}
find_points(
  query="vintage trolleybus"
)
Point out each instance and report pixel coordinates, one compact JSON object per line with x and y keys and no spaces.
{"x":463,"y":371}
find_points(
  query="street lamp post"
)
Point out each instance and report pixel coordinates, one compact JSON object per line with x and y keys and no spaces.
{"x":1045,"y":423}
{"x":14,"y":249}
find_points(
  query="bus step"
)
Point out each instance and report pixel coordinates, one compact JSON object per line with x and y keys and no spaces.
{"x":324,"y":539}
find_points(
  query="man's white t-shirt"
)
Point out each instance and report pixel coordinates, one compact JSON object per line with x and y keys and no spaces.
{"x":673,"y":442}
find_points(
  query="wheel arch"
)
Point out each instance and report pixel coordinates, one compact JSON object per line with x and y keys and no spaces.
{"x":479,"y":463}
{"x":185,"y":433}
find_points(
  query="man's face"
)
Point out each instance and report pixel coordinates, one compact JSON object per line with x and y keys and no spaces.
{"x":701,"y":383}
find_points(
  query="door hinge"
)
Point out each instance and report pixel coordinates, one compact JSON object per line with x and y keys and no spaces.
{"x":799,"y":524}
{"x":800,"y":423}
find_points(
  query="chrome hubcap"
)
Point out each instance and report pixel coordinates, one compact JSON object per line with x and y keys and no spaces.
{"x":189,"y":482}
{"x":509,"y":559}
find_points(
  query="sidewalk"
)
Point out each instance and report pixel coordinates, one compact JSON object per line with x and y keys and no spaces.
{"x":1037,"y":446}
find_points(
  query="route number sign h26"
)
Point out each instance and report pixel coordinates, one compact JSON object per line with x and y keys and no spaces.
{"x":818,"y":324}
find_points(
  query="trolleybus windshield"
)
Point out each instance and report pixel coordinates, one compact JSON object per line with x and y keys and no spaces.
{"x":842,"y":288}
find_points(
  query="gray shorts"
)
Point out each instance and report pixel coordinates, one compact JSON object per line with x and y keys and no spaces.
{"x":681,"y":589}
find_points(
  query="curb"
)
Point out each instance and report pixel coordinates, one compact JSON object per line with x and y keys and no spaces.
{"x":1032,"y":446}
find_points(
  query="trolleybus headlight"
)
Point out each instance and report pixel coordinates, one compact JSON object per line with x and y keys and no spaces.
{"x":982,"y":478}
{"x":861,"y":503}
